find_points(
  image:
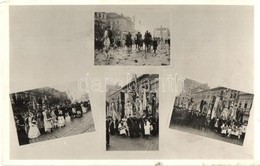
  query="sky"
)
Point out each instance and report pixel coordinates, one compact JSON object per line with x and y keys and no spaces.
{"x":149,"y":20}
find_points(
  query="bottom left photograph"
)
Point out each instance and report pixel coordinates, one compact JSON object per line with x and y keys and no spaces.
{"x":51,"y":112}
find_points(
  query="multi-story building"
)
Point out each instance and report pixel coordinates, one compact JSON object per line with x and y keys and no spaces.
{"x":228,"y":95}
{"x":185,"y":95}
{"x":120,"y":22}
{"x":133,"y":89}
{"x":245,"y":100}
{"x":100,"y":19}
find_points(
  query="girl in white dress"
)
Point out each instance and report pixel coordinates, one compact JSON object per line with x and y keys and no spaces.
{"x":147,"y":128}
{"x":67,"y":118}
{"x":54,"y":119}
{"x":33,"y":130}
{"x":47,"y":121}
{"x":61,"y":120}
{"x":122,"y":128}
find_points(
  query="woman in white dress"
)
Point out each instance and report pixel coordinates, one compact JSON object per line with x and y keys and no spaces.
{"x":61,"y":120}
{"x":54,"y":119}
{"x":33,"y":130}
{"x":67,"y":118}
{"x":122,"y":128}
{"x":147,"y":128}
{"x":47,"y":121}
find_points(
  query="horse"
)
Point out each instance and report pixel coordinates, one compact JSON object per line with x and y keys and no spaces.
{"x":129,"y":42}
{"x":138,"y":41}
{"x":147,"y":42}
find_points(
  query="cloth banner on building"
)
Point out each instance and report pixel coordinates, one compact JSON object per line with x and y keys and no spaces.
{"x":215,"y":107}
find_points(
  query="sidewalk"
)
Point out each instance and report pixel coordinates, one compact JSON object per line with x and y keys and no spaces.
{"x":118,"y":143}
{"x":208,"y":133}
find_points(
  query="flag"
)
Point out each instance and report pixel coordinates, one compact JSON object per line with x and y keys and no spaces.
{"x":136,"y":85}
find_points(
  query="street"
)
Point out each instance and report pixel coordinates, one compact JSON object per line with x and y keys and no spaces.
{"x":81,"y":125}
{"x":208,"y":133}
{"x":121,"y":56}
{"x":118,"y":143}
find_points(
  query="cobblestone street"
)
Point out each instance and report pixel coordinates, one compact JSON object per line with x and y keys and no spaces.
{"x":122,"y":57}
{"x":81,"y":125}
{"x":208,"y":133}
{"x":118,"y":143}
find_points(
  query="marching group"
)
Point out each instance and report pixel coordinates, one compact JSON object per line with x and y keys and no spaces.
{"x":109,"y":41}
{"x":45,"y":119}
{"x":137,"y":118}
{"x":225,"y":120}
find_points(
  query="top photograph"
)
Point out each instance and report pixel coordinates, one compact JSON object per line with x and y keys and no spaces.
{"x":132,"y":38}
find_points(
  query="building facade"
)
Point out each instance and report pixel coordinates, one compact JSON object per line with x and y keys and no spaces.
{"x":132,"y":90}
{"x":100,"y":19}
{"x":120,"y":22}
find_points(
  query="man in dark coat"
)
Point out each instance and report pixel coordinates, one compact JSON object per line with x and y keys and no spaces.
{"x":107,"y":132}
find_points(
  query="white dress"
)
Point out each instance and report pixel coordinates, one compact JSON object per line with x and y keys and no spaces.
{"x":33,"y":131}
{"x":47,"y":122}
{"x":67,"y":119}
{"x":84,"y":109}
{"x":61,"y":121}
{"x":147,"y":128}
{"x":122,"y":129}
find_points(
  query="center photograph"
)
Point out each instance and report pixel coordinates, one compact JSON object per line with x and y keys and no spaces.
{"x":132,"y":113}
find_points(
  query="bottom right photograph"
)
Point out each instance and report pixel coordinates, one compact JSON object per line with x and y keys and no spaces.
{"x":215,"y":112}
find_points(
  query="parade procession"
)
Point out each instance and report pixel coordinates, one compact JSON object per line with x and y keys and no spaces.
{"x":220,"y":113}
{"x":47,"y":113}
{"x":122,"y":40}
{"x":132,"y":115}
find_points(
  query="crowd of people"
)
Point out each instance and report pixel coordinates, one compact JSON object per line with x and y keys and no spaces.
{"x":226,"y":120}
{"x":45,"y":119}
{"x":142,"y":42}
{"x":137,"y":118}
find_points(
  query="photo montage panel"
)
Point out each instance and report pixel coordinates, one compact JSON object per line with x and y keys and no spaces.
{"x":215,"y":112}
{"x":51,"y":112}
{"x":132,"y":114}
{"x":132,"y":37}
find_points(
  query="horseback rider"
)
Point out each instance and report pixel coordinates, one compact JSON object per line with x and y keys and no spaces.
{"x":129,"y":42}
{"x":138,"y":40}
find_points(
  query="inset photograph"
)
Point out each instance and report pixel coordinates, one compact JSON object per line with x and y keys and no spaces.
{"x":220,"y":113}
{"x":132,"y":114}
{"x":134,"y":38}
{"x":51,"y":112}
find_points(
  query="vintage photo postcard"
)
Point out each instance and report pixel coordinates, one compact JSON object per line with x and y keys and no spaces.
{"x":132,"y":37}
{"x":51,"y":112}
{"x":216,"y":112}
{"x":132,"y":114}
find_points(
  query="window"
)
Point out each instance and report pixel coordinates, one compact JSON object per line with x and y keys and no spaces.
{"x":245,"y":105}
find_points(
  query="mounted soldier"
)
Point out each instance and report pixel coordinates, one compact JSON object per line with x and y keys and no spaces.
{"x":129,"y":42}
